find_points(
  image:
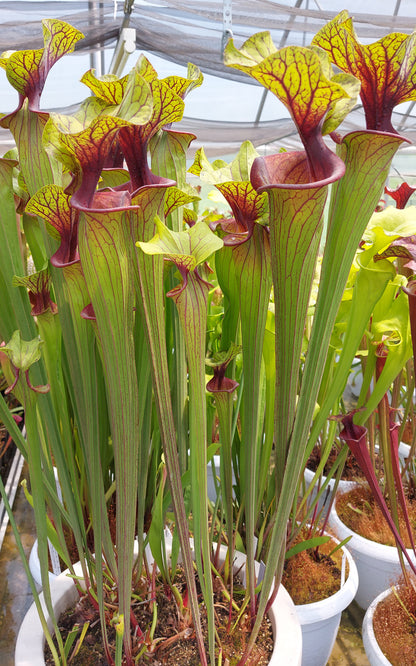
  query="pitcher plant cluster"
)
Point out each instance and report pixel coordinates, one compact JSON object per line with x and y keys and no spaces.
{"x":146,"y":325}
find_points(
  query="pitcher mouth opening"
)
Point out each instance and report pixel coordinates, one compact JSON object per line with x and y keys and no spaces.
{"x":292,"y":171}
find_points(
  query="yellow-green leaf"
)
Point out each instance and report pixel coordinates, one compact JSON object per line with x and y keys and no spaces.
{"x":182,"y":86}
{"x":51,"y":203}
{"x":22,"y":353}
{"x":84,"y":152}
{"x":109,"y":88}
{"x":221,"y":172}
{"x":303,"y":81}
{"x":137,"y":102}
{"x":187,"y":249}
{"x":176,"y":197}
{"x":253,"y":51}
{"x":386,"y":68}
{"x":27,"y":70}
{"x":295,"y":76}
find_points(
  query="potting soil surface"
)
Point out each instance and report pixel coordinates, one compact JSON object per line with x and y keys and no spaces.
{"x":16,"y":597}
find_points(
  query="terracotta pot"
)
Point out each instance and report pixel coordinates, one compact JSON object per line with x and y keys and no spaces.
{"x":378,"y":565}
{"x":286,"y":628}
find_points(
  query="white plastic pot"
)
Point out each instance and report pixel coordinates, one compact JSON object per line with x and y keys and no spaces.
{"x":404,"y":450}
{"x":378,"y":565}
{"x":343,"y":487}
{"x":212,"y":494}
{"x":34,"y":565}
{"x":31,"y":640}
{"x":320,"y":620}
{"x":374,"y":655}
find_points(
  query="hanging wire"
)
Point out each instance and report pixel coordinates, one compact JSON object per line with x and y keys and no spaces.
{"x":126,"y":42}
{"x":227,"y":23}
{"x":128,"y":6}
{"x":397,"y":7}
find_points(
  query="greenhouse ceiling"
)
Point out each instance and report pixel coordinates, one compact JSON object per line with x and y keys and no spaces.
{"x":229,"y":107}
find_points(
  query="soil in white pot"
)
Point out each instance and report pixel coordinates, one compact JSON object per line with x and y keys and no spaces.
{"x":323,"y":583}
{"x":358,"y":510}
{"x":394,"y":625}
{"x":174,"y":642}
{"x":313,"y":574}
{"x":351,"y":471}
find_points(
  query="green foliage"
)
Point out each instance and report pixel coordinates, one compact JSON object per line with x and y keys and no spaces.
{"x":138,"y":290}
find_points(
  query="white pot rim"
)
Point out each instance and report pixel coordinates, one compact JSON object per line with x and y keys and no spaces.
{"x":343,"y":485}
{"x":374,"y":548}
{"x":31,"y":639}
{"x":336,"y":603}
{"x":372,"y":648}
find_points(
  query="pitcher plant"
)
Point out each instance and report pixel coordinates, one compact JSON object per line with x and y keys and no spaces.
{"x":101,"y":240}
